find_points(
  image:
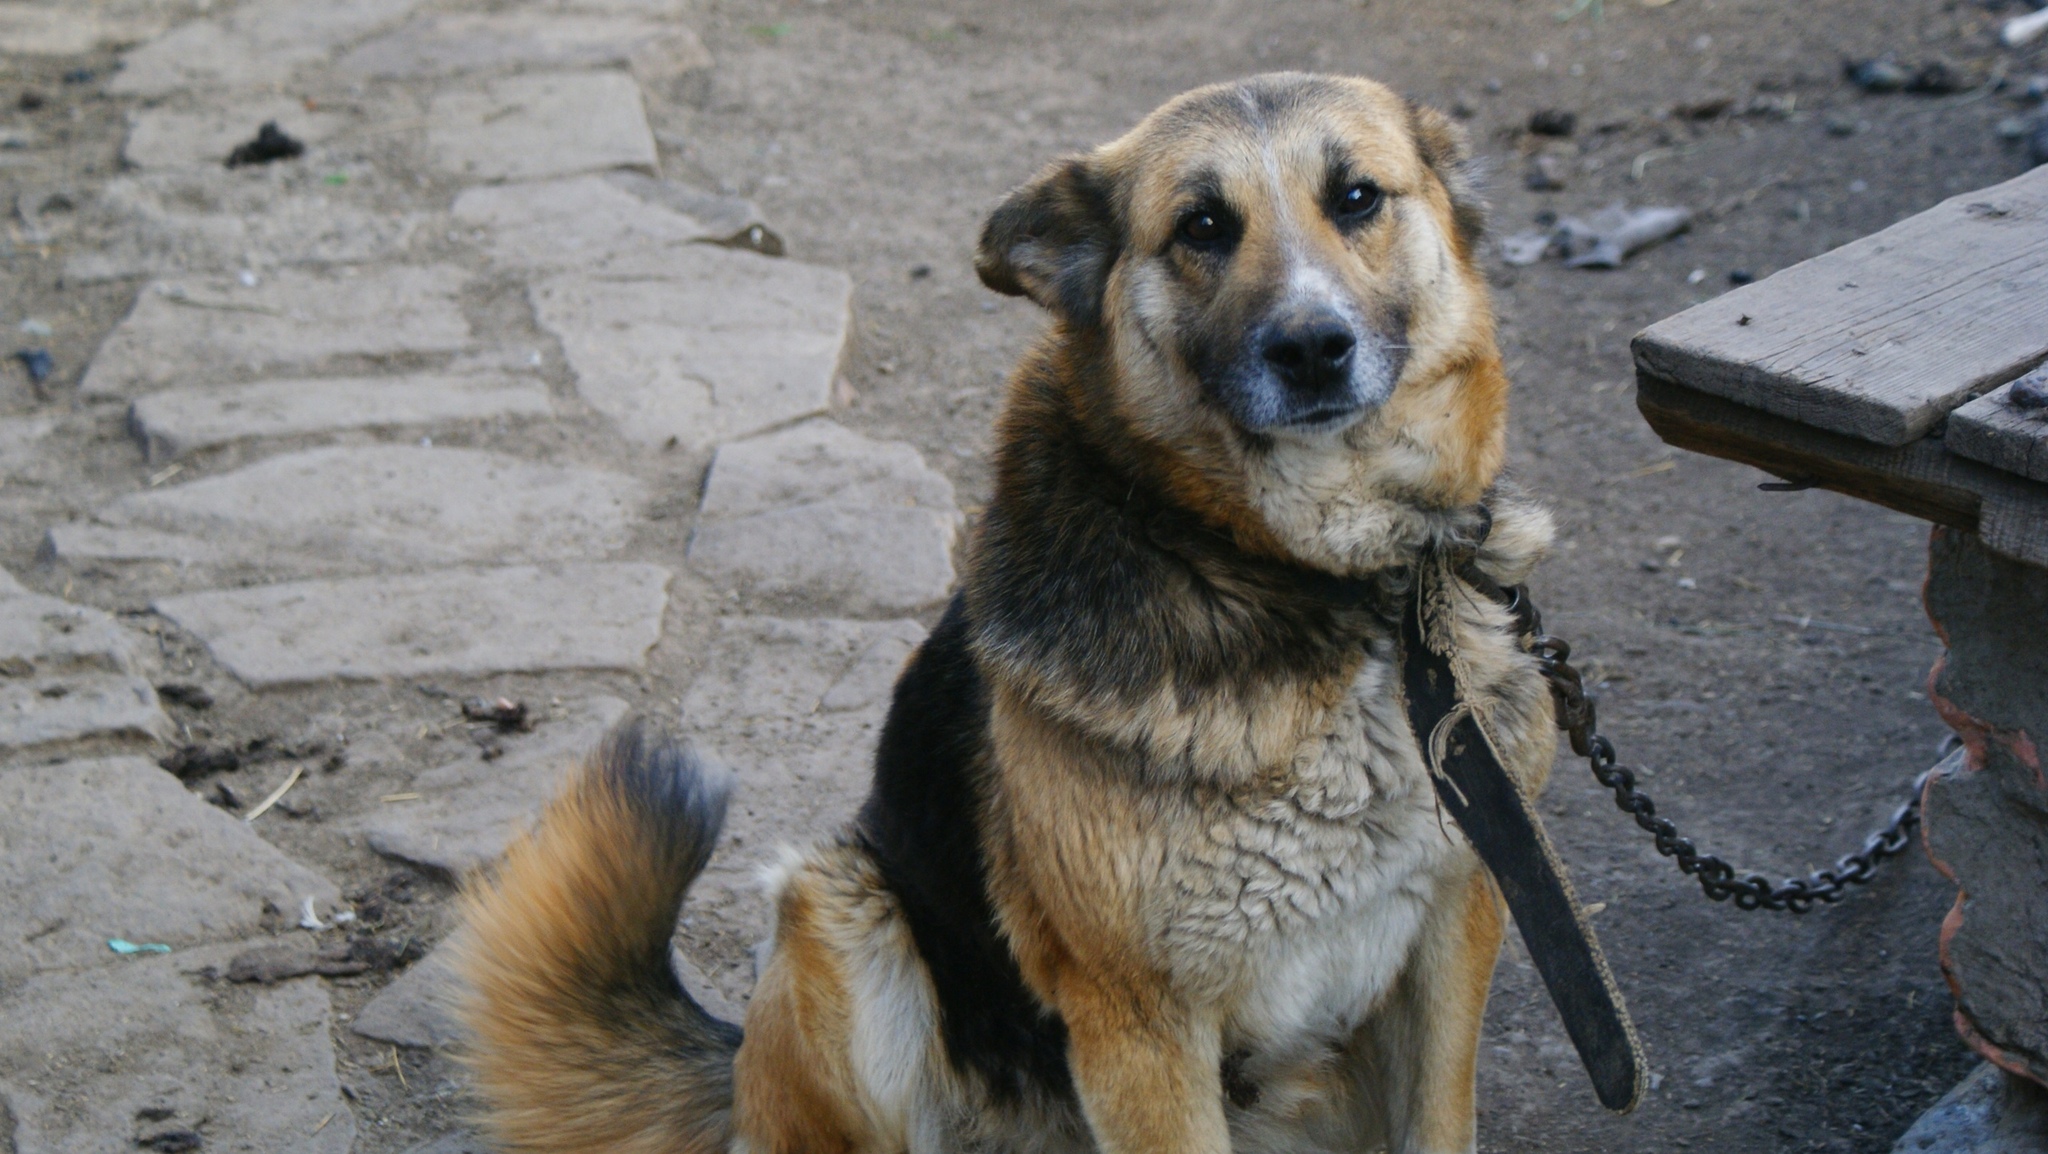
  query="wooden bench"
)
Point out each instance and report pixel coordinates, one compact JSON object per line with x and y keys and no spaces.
{"x":1883,"y":370}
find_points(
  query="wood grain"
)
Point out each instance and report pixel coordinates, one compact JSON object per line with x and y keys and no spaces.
{"x":1923,"y":479}
{"x":1992,"y":430}
{"x":1880,"y":338}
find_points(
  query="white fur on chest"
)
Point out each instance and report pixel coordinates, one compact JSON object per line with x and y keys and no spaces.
{"x":1298,"y":902}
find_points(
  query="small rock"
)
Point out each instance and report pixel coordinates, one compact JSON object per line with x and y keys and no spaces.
{"x":2014,"y":128}
{"x":191,"y":762}
{"x":1740,"y":276}
{"x":507,"y":715}
{"x":1938,"y":79}
{"x":270,"y":965}
{"x":1553,"y":122}
{"x":185,"y":694}
{"x":1881,"y":74}
{"x":37,"y":363}
{"x":1546,"y":173}
{"x":1841,"y":126}
{"x":2031,"y":391}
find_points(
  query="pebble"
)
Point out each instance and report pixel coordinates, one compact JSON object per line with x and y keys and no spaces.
{"x":1553,"y":122}
{"x":458,"y":622}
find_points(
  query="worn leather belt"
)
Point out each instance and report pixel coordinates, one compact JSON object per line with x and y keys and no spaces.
{"x":1498,"y":820}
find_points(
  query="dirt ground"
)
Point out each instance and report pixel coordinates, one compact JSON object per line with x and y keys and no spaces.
{"x":877,"y":134}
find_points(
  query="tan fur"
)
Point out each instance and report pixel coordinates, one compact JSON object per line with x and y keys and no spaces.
{"x":1243,"y":902}
{"x":547,"y":943}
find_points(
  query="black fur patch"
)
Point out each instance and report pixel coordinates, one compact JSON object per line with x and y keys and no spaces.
{"x":922,"y":826}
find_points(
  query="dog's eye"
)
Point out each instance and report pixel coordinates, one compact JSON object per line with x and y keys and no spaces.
{"x":1359,"y":202}
{"x":1206,"y":227}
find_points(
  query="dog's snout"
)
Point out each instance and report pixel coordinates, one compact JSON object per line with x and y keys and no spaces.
{"x":1310,"y":353}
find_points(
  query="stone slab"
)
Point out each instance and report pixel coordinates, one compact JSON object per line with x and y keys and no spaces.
{"x":64,"y":30}
{"x":172,"y":138}
{"x":261,"y":43}
{"x":1986,"y":1113}
{"x":367,"y":507}
{"x":85,"y":543}
{"x":460,"y":623}
{"x":584,"y":222}
{"x":9,"y":587}
{"x":795,"y":708}
{"x":181,"y":331}
{"x":18,"y":439}
{"x":470,"y":809}
{"x":211,"y":220}
{"x":175,"y":422}
{"x":819,"y":511}
{"x":712,"y":345}
{"x":100,"y":1061}
{"x":539,"y":125}
{"x":68,"y":671}
{"x":116,"y":848}
{"x":450,"y":44}
{"x":43,"y":710}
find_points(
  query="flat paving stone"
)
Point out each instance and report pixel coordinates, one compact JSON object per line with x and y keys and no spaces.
{"x":105,"y":1060}
{"x":209,"y":220}
{"x":358,"y":508}
{"x":170,"y":138}
{"x":18,"y":438}
{"x":191,"y":329}
{"x":68,"y":671}
{"x":584,"y":222}
{"x":116,"y":848}
{"x":794,"y":708}
{"x":175,"y":422}
{"x":451,"y":44}
{"x":460,"y":623}
{"x":820,"y":511}
{"x":470,"y":809}
{"x":65,"y":30}
{"x":706,"y":345}
{"x":261,"y":43}
{"x":539,"y":125}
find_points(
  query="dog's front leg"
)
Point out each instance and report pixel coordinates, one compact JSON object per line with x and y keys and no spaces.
{"x":1147,"y":1068}
{"x":1425,"y":1038}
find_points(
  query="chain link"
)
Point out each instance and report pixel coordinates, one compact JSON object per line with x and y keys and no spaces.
{"x":1720,"y":881}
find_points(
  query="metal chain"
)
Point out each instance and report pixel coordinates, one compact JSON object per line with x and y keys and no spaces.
{"x":1719,"y":879}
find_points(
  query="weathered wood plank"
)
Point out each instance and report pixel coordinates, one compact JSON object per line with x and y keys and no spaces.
{"x":1880,"y":338}
{"x":1922,"y":479}
{"x":1993,"y":430}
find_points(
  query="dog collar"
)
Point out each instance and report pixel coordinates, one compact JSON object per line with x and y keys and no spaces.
{"x":1473,"y":785}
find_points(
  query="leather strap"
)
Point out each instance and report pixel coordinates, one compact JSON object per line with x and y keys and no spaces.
{"x":1498,"y":820}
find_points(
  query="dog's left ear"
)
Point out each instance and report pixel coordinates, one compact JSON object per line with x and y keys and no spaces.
{"x":1054,"y":241}
{"x":1448,"y":153}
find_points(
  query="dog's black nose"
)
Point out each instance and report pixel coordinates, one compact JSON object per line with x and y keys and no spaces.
{"x":1312,"y":354}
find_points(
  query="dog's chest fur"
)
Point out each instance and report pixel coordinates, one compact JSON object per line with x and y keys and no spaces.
{"x":1294,"y":898}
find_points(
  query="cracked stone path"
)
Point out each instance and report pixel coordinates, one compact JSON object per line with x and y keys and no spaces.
{"x":466,"y":401}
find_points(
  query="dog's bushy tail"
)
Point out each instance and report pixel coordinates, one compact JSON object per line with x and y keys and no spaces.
{"x":582,"y":1038}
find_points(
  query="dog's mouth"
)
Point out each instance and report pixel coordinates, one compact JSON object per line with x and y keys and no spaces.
{"x":1324,"y":419}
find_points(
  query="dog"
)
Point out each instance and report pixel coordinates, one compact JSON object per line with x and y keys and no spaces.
{"x":1152,"y":861}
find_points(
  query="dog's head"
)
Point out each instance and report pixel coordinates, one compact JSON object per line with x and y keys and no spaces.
{"x":1281,"y":273}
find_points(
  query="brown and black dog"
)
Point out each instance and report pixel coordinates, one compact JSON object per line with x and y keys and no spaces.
{"x":1152,"y":861}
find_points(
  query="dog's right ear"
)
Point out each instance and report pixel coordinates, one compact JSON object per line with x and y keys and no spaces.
{"x":1054,"y":241}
